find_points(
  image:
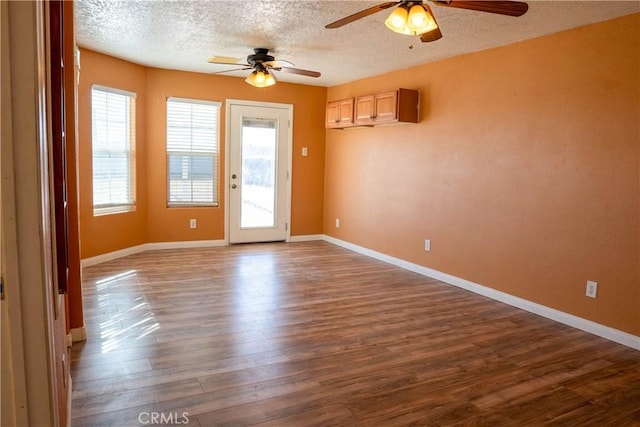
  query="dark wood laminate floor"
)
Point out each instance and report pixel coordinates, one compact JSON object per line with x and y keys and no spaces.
{"x":307,"y":334}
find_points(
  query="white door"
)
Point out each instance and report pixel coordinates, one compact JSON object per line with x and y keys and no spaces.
{"x":258,"y":173}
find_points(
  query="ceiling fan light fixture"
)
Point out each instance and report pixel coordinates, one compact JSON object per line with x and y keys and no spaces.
{"x":421,"y":19}
{"x":411,"y":21}
{"x":397,"y":20}
{"x":269,"y":80}
{"x":260,"y":78}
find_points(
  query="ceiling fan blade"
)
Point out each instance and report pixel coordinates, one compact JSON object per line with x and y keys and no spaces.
{"x":344,"y":21}
{"x":277,"y":64}
{"x":510,"y":8}
{"x":298,"y":71}
{"x":431,"y":36}
{"x":215,"y":59}
{"x":234,"y":69}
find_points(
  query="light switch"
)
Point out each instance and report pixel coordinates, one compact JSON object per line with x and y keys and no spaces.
{"x":304,"y":152}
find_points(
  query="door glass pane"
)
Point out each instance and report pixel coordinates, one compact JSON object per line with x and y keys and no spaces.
{"x":258,"y":186}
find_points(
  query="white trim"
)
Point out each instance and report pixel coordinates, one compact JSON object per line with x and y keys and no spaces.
{"x":306,"y":238}
{"x":114,"y":90}
{"x":594,"y":328}
{"x":78,"y":334}
{"x":13,"y":383}
{"x":99,"y":259}
{"x":258,"y":103}
{"x":194,"y":101}
{"x":227,"y":163}
{"x":32,"y":389}
{"x":289,"y":173}
{"x":186,"y":245}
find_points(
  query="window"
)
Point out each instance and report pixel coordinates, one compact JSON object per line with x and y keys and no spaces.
{"x":192,"y":152}
{"x":113,"y":143}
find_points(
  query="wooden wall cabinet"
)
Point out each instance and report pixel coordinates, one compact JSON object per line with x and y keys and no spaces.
{"x":395,"y":106}
{"x":339,"y":113}
{"x":387,"y":107}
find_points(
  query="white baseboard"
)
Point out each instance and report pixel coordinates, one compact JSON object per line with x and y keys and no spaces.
{"x":594,"y":328}
{"x":306,"y":238}
{"x":87,"y":262}
{"x":185,"y":245}
{"x":98,"y":259}
{"x":78,"y":334}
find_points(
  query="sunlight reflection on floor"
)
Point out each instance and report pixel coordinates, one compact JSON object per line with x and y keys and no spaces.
{"x":112,"y":332}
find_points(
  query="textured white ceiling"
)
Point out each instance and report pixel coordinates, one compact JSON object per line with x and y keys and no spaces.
{"x":182,"y":35}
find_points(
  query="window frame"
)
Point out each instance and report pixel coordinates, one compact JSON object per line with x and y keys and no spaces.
{"x":213,"y":154}
{"x":130,"y":205}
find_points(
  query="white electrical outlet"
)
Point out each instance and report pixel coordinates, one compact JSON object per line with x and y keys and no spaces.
{"x":337,"y":222}
{"x":193,"y":223}
{"x":427,"y":245}
{"x":592,"y":289}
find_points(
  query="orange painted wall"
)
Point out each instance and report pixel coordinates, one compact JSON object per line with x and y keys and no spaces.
{"x":153,"y":221}
{"x":523,"y":171}
{"x":108,"y":233}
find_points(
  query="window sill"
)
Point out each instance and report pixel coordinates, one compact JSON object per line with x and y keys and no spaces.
{"x":113,"y":210}
{"x":193,"y":205}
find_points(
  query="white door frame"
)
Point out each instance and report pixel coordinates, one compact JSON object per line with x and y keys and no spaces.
{"x":25,"y":226}
{"x":227,"y":159}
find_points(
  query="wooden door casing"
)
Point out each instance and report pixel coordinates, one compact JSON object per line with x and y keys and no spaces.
{"x":58,"y":172}
{"x":58,"y":143}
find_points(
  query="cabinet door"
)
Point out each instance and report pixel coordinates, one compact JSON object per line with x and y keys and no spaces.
{"x":365,"y":109}
{"x":333,"y":114}
{"x":386,"y":107}
{"x":346,"y":112}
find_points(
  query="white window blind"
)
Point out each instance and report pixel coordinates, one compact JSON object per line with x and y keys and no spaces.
{"x":192,"y":152}
{"x":113,"y":136}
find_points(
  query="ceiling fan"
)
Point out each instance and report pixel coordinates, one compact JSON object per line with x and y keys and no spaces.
{"x":415,"y":17}
{"x":262,"y":65}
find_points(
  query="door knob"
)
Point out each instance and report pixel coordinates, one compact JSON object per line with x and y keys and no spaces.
{"x":233,"y":186}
